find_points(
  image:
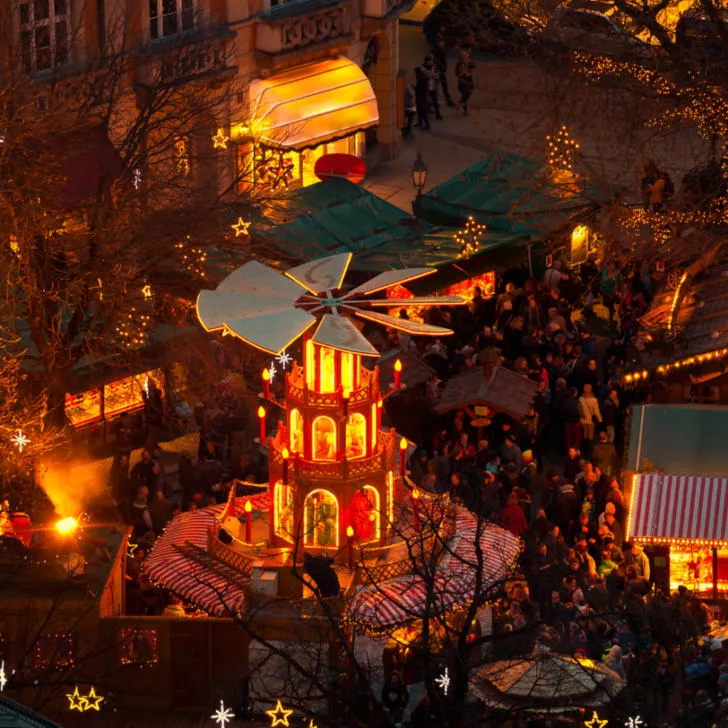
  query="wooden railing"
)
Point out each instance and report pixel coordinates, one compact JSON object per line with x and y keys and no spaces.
{"x":297,"y":391}
{"x":227,"y":555}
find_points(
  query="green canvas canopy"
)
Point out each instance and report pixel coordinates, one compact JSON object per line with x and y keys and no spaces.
{"x":337,"y":216}
{"x":507,"y":193}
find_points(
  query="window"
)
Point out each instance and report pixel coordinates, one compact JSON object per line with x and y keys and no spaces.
{"x":139,"y":647}
{"x":54,"y":651}
{"x":365,"y":514}
{"x":284,"y":511}
{"x":321,"y":519}
{"x":324,"y":439}
{"x":327,"y":369}
{"x":170,"y":17}
{"x":45,"y":34}
{"x":356,"y":436}
{"x":296,"y":431}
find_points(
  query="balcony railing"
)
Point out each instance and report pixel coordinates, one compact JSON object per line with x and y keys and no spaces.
{"x":296,"y":391}
{"x":293,"y":26}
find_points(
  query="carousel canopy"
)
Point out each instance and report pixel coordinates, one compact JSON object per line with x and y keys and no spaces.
{"x":15,"y":715}
{"x":477,"y":549}
{"x":545,"y":683}
{"x":310,"y":104}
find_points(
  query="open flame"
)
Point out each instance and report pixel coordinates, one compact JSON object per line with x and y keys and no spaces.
{"x":67,"y":525}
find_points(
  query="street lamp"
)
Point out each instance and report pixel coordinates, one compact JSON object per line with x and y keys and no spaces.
{"x":419,"y":180}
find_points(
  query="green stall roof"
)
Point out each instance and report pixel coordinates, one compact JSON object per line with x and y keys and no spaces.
{"x":337,"y":216}
{"x":505,"y":192}
{"x":679,"y":439}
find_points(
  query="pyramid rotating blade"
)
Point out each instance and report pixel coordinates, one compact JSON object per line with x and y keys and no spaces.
{"x":416,"y":301}
{"x":214,"y":308}
{"x":388,"y":279}
{"x":411,"y":327}
{"x":272,"y":332}
{"x":340,"y":333}
{"x":322,"y":274}
{"x":257,"y":279}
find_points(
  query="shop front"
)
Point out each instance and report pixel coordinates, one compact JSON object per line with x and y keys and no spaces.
{"x":682,"y":521}
{"x":299,"y":115}
{"x":100,"y":406}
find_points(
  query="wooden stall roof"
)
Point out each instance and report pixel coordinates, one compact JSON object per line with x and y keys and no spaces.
{"x":698,"y":311}
{"x":504,"y":391}
{"x":415,"y":370}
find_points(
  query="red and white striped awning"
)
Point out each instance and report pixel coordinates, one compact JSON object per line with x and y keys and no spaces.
{"x":678,"y":508}
{"x":455,"y":583}
{"x":218,"y":591}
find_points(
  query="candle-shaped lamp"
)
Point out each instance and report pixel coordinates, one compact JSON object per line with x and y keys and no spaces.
{"x":285,"y":455}
{"x":248,"y":522}
{"x":266,"y":383}
{"x":397,"y":374}
{"x":416,"y":509}
{"x":261,"y":419}
{"x":402,"y":457}
{"x":350,"y":545}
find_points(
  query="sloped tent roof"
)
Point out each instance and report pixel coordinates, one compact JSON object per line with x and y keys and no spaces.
{"x":679,"y":439}
{"x":544,"y":683}
{"x":338,"y":216}
{"x":504,"y":391}
{"x":15,"y":715}
{"x":503,"y":192}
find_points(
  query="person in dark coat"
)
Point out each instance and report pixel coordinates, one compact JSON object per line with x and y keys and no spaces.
{"x":571,"y":417}
{"x":422,"y":99}
{"x":566,"y":507}
{"x":439,"y":53}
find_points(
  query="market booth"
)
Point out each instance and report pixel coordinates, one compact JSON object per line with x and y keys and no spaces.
{"x":679,"y":508}
{"x":301,"y":114}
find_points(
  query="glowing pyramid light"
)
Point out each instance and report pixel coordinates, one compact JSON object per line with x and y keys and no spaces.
{"x":270,"y":310}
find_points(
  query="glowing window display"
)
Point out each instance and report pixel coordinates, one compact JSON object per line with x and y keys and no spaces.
{"x":310,"y":364}
{"x":349,"y":370}
{"x":321,"y":519}
{"x":284,"y":510}
{"x":365,"y":514}
{"x":295,"y":424}
{"x":327,"y":367}
{"x":324,"y":439}
{"x":356,"y":436}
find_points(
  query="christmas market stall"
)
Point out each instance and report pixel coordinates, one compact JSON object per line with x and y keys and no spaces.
{"x":683,"y":338}
{"x":679,"y":494}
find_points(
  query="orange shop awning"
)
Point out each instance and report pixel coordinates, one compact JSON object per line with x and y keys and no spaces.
{"x":313,"y":103}
{"x":679,"y":508}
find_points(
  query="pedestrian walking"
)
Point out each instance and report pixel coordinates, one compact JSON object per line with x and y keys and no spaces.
{"x":430,"y":71}
{"x":464,"y":72}
{"x":439,"y":53}
{"x":421,"y":99}
{"x":410,"y":108}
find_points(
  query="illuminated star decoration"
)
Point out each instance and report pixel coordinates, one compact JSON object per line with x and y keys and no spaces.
{"x":272,"y":371}
{"x":147,"y":291}
{"x":222,"y":715}
{"x":3,"y":677}
{"x":311,"y":724}
{"x":241,"y":227}
{"x":136,"y":178}
{"x":76,"y":702}
{"x":635,"y":722}
{"x":219,"y":141}
{"x":443,"y":681}
{"x":279,"y":715}
{"x":92,"y":700}
{"x":469,"y":237}
{"x":20,"y":440}
{"x":595,"y":722}
{"x":284,"y":359}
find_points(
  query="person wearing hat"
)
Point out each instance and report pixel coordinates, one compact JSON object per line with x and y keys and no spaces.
{"x":510,"y":452}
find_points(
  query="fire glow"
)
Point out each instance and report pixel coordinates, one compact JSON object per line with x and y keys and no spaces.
{"x":67,"y":525}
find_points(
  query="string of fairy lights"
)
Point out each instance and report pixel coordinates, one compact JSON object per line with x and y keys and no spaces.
{"x":561,"y":150}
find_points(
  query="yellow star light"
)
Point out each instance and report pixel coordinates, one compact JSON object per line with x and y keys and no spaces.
{"x":93,"y":700}
{"x":147,"y":291}
{"x":279,"y":715}
{"x":595,"y":722}
{"x":241,"y":227}
{"x":219,"y":141}
{"x":76,"y":702}
{"x":311,"y":724}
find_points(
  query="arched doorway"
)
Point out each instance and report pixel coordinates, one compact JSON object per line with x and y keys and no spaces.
{"x":321,"y":519}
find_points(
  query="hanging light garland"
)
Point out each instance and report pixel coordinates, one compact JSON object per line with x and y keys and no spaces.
{"x":469,"y":237}
{"x":561,"y":150}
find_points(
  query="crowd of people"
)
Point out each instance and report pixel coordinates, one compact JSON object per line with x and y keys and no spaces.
{"x":552,"y":479}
